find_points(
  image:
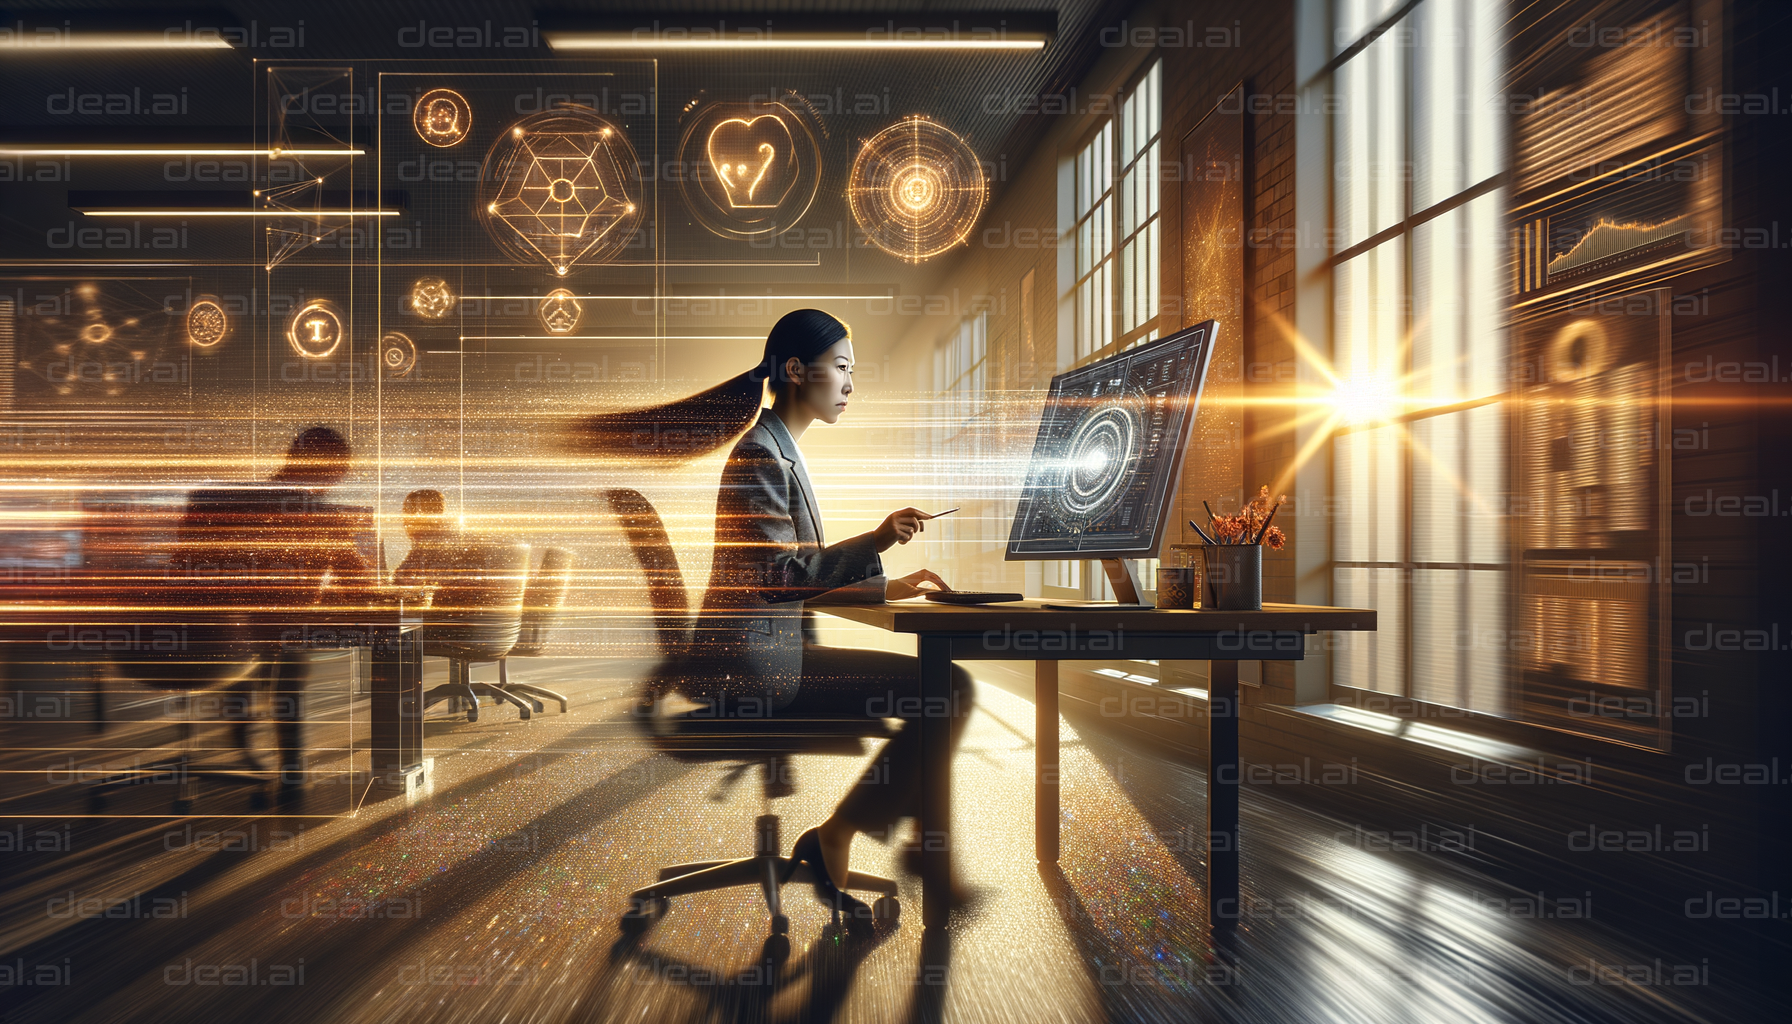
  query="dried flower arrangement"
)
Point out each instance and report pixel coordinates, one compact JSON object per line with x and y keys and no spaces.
{"x":1252,"y":524}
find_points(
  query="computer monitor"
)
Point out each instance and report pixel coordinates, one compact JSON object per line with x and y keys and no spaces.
{"x":1109,"y":455}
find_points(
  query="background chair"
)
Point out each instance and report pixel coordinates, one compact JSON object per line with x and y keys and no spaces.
{"x":707,"y":737}
{"x":211,"y":657}
{"x":476,"y":615}
{"x":544,"y":603}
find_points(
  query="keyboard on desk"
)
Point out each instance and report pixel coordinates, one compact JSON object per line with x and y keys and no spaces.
{"x":973,"y":596}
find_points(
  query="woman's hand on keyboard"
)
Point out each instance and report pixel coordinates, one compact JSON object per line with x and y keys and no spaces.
{"x":913,"y":585}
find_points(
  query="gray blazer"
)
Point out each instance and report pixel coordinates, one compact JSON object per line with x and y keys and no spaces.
{"x":770,"y":557}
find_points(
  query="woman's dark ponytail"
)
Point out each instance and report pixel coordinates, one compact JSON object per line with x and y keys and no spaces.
{"x":695,"y":426}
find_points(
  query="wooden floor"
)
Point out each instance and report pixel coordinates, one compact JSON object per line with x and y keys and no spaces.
{"x":495,"y":900}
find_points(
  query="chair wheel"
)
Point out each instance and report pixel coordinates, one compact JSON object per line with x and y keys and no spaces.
{"x":886,"y":909}
{"x":638,"y":918}
{"x":540,"y":708}
{"x":473,"y":713}
{"x":777,"y":948}
{"x":780,"y":924}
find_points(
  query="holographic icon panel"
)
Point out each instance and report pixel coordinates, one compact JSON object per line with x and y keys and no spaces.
{"x":561,"y":187}
{"x":398,"y":354}
{"x":316,"y":330}
{"x":750,"y":168}
{"x":432,"y":298}
{"x":297,"y":217}
{"x":560,"y":312}
{"x":107,"y":347}
{"x":206,"y":323}
{"x":442,"y":118}
{"x":916,"y":189}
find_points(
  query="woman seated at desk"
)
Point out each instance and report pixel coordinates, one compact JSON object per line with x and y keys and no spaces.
{"x":753,"y":638}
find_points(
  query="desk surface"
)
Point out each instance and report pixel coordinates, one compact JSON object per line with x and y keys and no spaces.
{"x":923,"y":616}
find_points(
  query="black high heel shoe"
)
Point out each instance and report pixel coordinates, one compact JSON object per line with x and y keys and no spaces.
{"x":859,"y":918}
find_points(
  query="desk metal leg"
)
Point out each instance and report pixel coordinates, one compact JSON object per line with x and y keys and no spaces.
{"x":1222,"y":793}
{"x":936,"y":785}
{"x":1045,"y":761}
{"x":397,"y":709}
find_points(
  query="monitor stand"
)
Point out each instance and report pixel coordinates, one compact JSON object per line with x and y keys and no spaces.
{"x":1123,"y":578}
{"x":1125,"y":581}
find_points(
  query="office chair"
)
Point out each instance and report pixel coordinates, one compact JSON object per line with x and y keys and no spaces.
{"x":699,"y":737}
{"x":213,"y":657}
{"x":477,"y":615}
{"x":544,"y":602}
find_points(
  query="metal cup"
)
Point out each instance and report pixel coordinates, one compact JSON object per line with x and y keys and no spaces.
{"x":1234,"y":577}
{"x":1176,"y":587}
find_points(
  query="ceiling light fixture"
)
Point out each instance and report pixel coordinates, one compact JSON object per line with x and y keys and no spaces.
{"x":875,"y":39}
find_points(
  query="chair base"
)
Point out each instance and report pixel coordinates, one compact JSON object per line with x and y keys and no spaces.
{"x":529,"y":691}
{"x":767,"y":870}
{"x":461,"y":685}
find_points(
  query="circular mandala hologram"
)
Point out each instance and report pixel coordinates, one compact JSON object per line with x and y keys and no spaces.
{"x":916,"y":189}
{"x":750,"y":168}
{"x":206,"y":323}
{"x":432,"y":298}
{"x":316,"y":330}
{"x":398,"y":354}
{"x":561,"y":187}
{"x":442,"y":117}
{"x":1100,"y":454}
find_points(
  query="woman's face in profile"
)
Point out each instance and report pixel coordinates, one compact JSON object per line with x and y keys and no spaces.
{"x":827,"y":382}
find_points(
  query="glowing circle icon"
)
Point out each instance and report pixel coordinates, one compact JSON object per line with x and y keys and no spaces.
{"x":96,"y":333}
{"x":432,"y":298}
{"x":561,"y":187}
{"x":442,"y":117}
{"x":206,"y":323}
{"x":1098,"y":458}
{"x":560,"y":312}
{"x":398,"y":354}
{"x":750,"y":169}
{"x":916,"y":189}
{"x":316,"y":330}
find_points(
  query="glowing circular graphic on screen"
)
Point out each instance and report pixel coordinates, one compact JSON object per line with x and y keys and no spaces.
{"x":316,"y":330}
{"x":1100,"y":453}
{"x":916,"y":189}
{"x":206,"y":323}
{"x":442,"y":117}
{"x":560,"y":311}
{"x":750,"y":168}
{"x":561,"y":187}
{"x":432,"y":298}
{"x":398,"y":354}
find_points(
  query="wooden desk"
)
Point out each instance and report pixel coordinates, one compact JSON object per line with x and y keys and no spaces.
{"x":1027,"y":631}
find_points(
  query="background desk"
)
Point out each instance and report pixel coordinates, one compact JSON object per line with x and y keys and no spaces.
{"x":29,"y":632}
{"x":1027,"y":631}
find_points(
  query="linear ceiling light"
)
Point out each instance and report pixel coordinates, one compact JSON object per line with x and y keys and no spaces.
{"x":169,"y":151}
{"x":60,"y":39}
{"x":91,"y":212}
{"x":703,"y":39}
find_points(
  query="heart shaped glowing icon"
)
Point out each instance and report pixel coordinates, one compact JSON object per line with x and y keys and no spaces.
{"x":754,"y":159}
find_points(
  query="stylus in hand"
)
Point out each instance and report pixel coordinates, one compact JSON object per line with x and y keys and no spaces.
{"x":948,"y":512}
